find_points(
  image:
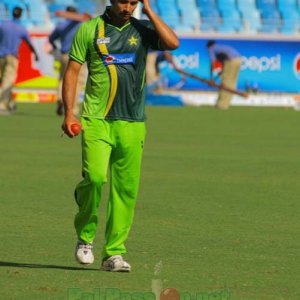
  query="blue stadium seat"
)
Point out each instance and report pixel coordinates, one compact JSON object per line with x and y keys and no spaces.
{"x":251,"y":20}
{"x":271,"y":21}
{"x":172,"y":19}
{"x":231,"y":21}
{"x":290,"y":21}
{"x":266,"y":5}
{"x":288,"y":5}
{"x":206,"y":4}
{"x":290,"y":16}
{"x":246,"y":5}
{"x":210,"y":20}
{"x":207,"y":27}
{"x":169,"y":12}
{"x":183,"y":28}
{"x":226,"y":5}
{"x":191,"y":18}
{"x":187,"y":6}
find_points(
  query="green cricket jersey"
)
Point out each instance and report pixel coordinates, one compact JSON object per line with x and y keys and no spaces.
{"x":116,"y":59}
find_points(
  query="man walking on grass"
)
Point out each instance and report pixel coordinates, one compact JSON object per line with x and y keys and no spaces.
{"x":115,"y":47}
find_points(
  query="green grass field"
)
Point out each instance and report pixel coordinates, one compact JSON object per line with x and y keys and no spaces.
{"x":218,"y":206}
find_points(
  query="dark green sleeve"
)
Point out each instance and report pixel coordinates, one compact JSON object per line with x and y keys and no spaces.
{"x":149,"y":34}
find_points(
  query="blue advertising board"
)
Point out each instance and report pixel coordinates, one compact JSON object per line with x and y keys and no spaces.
{"x":270,"y":66}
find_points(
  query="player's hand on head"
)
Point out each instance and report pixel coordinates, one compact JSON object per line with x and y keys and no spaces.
{"x":146,"y":6}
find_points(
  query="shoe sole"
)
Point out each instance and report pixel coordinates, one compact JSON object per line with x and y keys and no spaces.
{"x":83,"y":263}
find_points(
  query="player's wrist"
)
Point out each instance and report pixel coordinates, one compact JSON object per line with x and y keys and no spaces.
{"x":69,"y":112}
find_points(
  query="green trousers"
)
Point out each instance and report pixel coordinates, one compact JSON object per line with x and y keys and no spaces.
{"x":116,"y":146}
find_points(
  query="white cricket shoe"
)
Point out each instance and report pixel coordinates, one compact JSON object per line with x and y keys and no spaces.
{"x":84,"y":253}
{"x":116,"y":263}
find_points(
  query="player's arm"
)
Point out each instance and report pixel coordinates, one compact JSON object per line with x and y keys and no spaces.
{"x":77,"y":57}
{"x":168,"y":38}
{"x":75,"y":16}
{"x":68,"y":95}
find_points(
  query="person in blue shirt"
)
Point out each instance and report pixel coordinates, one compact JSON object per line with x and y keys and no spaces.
{"x":64,"y":33}
{"x":11,"y":36}
{"x":230,"y":60}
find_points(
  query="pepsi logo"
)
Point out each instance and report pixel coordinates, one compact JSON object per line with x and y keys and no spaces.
{"x":109,"y":58}
{"x":297,"y":66}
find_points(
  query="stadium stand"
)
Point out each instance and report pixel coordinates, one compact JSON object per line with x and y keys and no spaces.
{"x":210,"y":17}
{"x":290,"y":16}
{"x":231,"y":21}
{"x":271,"y":20}
{"x":188,"y":16}
{"x":226,"y":5}
{"x":266,"y":5}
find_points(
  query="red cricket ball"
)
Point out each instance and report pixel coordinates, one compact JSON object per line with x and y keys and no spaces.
{"x":76,"y":128}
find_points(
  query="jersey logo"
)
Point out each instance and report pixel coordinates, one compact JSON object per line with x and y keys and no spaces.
{"x":119,"y":59}
{"x":105,"y":40}
{"x":133,"y":41}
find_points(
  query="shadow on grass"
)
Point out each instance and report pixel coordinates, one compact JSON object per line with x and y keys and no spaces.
{"x":41,"y":266}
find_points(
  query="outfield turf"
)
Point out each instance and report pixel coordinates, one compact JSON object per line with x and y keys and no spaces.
{"x":218,"y":206}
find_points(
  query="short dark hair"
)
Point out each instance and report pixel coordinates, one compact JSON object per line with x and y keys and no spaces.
{"x":71,"y":8}
{"x":17,"y":12}
{"x":210,"y":43}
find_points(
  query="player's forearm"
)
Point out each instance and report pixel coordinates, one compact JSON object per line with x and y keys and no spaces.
{"x":168,"y":38}
{"x":69,"y":89}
